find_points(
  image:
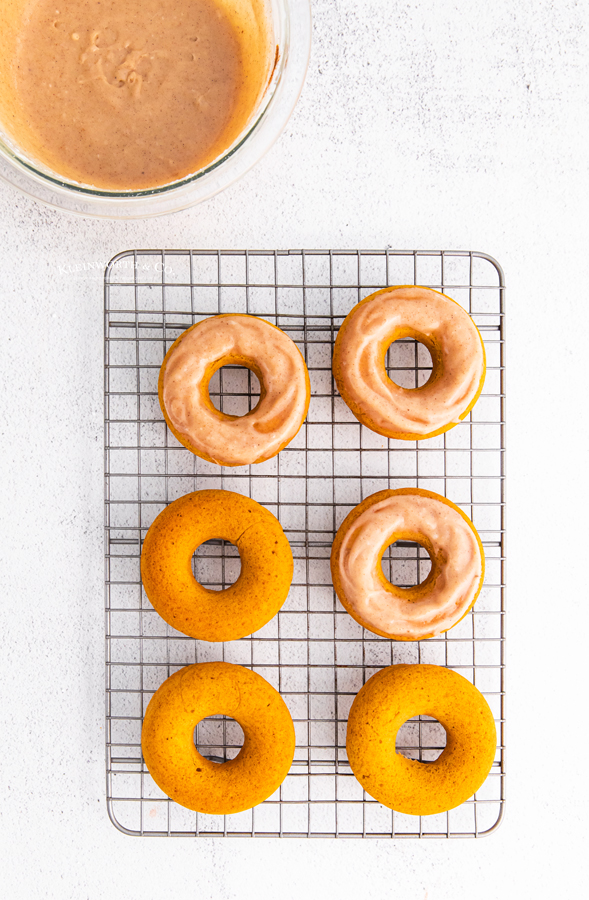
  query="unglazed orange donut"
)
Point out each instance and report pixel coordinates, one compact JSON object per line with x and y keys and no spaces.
{"x":238,"y":340}
{"x":266,"y":565}
{"x":458,"y":358}
{"x":429,"y":608}
{"x":210,"y":689}
{"x":386,"y":702}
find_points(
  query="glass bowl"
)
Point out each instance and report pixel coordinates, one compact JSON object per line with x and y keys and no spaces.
{"x":292,"y":33}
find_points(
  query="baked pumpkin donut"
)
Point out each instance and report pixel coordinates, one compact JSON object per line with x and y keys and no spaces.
{"x":266,"y":565}
{"x":456,"y":348}
{"x":238,"y":340}
{"x":429,"y":608}
{"x":386,"y":702}
{"x":208,"y":689}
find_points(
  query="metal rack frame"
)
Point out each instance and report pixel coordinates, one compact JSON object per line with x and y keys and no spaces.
{"x":312,"y":651}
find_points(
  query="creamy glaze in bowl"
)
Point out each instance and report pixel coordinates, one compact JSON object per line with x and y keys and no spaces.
{"x":275,"y":53}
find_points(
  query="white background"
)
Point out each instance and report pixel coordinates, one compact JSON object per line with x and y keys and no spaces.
{"x":438,"y":124}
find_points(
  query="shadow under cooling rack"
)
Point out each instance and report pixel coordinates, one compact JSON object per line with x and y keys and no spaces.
{"x":313,"y":652}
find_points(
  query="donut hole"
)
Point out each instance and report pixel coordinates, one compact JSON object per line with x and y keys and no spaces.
{"x":216,"y":564}
{"x":406,"y":564}
{"x":408,"y":363}
{"x":218,"y":738}
{"x":234,"y":390}
{"x":421,"y":738}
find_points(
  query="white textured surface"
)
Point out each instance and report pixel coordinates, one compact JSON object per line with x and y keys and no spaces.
{"x":432,"y":124}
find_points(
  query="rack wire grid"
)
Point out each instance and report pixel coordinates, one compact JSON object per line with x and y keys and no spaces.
{"x":313,"y":652}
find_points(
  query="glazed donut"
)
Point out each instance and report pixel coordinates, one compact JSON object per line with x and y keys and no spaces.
{"x":238,"y":340}
{"x":429,"y":608}
{"x":385,"y":703}
{"x":458,"y":358}
{"x":266,"y":565}
{"x":208,"y":689}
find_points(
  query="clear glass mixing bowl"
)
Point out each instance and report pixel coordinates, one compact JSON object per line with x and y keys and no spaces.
{"x":292,"y":32}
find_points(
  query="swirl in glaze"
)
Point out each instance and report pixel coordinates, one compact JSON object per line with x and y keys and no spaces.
{"x":434,"y":320}
{"x":426,"y":609}
{"x":244,"y":341}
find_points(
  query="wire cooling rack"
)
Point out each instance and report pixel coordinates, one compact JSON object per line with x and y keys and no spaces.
{"x":313,"y":652}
